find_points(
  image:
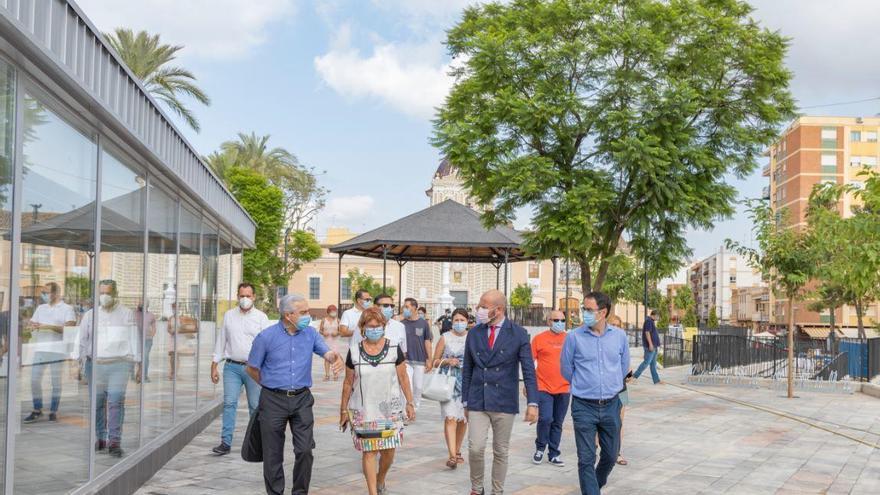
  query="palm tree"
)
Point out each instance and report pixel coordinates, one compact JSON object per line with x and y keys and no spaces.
{"x":147,"y":57}
{"x":251,"y":151}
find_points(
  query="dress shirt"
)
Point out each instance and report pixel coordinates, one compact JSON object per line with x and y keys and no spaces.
{"x":285,"y":360}
{"x":117,"y":335}
{"x":58,"y":314}
{"x":595,"y":366}
{"x":237,"y":333}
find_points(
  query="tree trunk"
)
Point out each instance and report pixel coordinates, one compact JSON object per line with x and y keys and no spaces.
{"x":586,"y":276}
{"x":601,"y":273}
{"x":860,"y":318}
{"x":790,"y":309}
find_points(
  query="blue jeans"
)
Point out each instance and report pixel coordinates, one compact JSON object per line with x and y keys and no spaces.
{"x":234,"y":377}
{"x":111,"y":381}
{"x":650,"y":360}
{"x":552,"y":409}
{"x":590,"y":419}
{"x":54,"y":362}
{"x":148,"y":346}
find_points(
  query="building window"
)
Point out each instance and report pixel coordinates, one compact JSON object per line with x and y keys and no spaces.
{"x":855,"y":136}
{"x":855,"y":161}
{"x":314,"y":288}
{"x":733,"y":279}
{"x":869,"y":161}
{"x":871,"y":136}
{"x":456,"y":277}
{"x":829,"y":137}
{"x":38,"y":257}
{"x":829,"y":163}
{"x":534,"y":270}
{"x":346,"y":289}
{"x":829,"y":179}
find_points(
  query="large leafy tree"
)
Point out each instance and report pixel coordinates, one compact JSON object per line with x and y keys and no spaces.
{"x":263,"y":202}
{"x":611,"y":120}
{"x":785,"y":256}
{"x":302,"y":198}
{"x":848,"y":246}
{"x":364,"y":281}
{"x":149,"y":59}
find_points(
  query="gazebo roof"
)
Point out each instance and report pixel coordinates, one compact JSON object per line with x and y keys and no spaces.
{"x":447,"y":231}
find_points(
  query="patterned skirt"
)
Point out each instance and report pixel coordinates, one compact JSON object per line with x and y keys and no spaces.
{"x":370,"y":436}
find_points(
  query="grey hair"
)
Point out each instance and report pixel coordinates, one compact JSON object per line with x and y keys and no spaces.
{"x":287,"y":302}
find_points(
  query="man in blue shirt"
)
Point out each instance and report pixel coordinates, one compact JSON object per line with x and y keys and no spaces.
{"x":281,"y":362}
{"x":595,"y":361}
{"x":651,"y":342}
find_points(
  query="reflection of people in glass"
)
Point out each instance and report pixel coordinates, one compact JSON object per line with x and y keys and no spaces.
{"x":146,"y":319}
{"x":117,"y":352}
{"x":47,"y":333}
{"x":187,"y":327}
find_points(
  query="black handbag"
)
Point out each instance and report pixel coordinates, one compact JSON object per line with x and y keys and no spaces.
{"x":252,"y":447}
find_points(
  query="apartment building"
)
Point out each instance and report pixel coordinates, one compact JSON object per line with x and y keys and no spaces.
{"x":713,"y":280}
{"x":811,"y":150}
{"x":751,"y":307}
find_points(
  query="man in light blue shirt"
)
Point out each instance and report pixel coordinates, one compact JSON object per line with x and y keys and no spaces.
{"x":595,"y":361}
{"x":281,"y":362}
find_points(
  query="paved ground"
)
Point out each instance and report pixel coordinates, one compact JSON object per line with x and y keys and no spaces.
{"x":677,"y":440}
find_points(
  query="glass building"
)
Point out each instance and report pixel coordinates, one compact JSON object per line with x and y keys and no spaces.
{"x":119,"y":252}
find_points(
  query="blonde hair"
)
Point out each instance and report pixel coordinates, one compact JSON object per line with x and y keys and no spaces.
{"x":615,"y":320}
{"x":373,"y":313}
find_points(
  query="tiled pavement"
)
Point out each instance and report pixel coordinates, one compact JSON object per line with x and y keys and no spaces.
{"x":677,"y":441}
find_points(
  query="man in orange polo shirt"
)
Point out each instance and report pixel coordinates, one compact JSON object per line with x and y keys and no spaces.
{"x":553,"y":390}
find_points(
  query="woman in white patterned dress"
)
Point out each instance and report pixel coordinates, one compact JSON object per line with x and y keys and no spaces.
{"x":449,"y":358}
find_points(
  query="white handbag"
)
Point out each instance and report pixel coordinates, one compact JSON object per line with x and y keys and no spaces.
{"x":439,"y":386}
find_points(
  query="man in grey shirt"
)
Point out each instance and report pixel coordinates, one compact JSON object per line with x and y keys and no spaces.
{"x":418,"y":347}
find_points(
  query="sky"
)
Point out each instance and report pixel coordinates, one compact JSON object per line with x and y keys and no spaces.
{"x":350,"y":86}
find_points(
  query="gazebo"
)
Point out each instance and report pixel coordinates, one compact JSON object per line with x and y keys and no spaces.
{"x":446,"y":232}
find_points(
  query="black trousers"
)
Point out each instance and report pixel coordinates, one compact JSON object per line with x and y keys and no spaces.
{"x":276,"y":412}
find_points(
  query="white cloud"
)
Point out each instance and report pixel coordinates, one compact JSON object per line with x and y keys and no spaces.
{"x":347,"y":211}
{"x":217,"y":29}
{"x":411,"y":78}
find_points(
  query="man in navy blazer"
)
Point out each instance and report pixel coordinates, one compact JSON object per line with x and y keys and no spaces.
{"x":495,"y":350}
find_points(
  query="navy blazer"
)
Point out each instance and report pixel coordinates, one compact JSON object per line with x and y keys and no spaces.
{"x":490,"y":379}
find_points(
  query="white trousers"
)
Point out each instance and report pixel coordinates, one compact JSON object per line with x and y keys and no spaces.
{"x":416,"y":373}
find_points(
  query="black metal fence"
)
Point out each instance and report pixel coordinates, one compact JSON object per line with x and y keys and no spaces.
{"x":734,"y":355}
{"x":835,"y":370}
{"x":676,"y":351}
{"x":743,"y":332}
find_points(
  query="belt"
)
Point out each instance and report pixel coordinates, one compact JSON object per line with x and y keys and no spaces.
{"x":233,"y":361}
{"x":598,"y":402}
{"x":289,"y":393}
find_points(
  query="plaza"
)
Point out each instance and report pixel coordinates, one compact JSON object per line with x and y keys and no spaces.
{"x":677,"y":439}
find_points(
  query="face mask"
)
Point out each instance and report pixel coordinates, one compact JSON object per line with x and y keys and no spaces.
{"x":245,"y":303}
{"x":589,"y":318}
{"x":44,"y":297}
{"x":459,"y":327}
{"x":303,"y":321}
{"x":366,"y":304}
{"x":374,"y":334}
{"x":105,"y":300}
{"x":332,"y":314}
{"x":558,"y":326}
{"x":482,"y":315}
{"x":422,"y":316}
{"x":387,"y":313}
{"x":407,"y":313}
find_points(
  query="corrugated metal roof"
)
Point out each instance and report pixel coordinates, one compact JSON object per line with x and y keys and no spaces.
{"x":56,"y":36}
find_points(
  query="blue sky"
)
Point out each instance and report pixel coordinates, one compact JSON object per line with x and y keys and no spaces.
{"x":349,"y":85}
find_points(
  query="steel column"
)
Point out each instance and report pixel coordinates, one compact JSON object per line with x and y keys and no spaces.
{"x":384,"y":265}
{"x":339,"y":286}
{"x":553,"y":302}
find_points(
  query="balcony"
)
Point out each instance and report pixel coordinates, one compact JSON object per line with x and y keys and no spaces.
{"x":765,"y":192}
{"x":766,"y":170}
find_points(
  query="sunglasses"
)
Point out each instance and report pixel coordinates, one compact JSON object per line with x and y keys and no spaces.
{"x":554,"y":320}
{"x":367,"y":300}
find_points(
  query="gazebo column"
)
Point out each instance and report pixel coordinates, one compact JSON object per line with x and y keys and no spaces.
{"x":506,"y":268}
{"x":400,"y":285}
{"x":339,"y":288}
{"x":384,"y":265}
{"x":553,"y":302}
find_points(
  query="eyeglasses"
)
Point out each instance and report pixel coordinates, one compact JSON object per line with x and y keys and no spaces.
{"x":387,"y":305}
{"x":554,"y":320}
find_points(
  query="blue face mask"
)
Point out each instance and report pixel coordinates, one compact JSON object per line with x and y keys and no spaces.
{"x":407,"y":313}
{"x":558,"y":326}
{"x":303,"y":321}
{"x":589,"y":318}
{"x":421,"y":316}
{"x":388,"y":313}
{"x":459,"y":326}
{"x":374,"y":334}
{"x":366,"y":304}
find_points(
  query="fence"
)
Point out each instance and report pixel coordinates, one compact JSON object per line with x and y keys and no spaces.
{"x":676,"y":351}
{"x":733,"y":355}
{"x":836,"y":369}
{"x":725,"y":330}
{"x":864,"y":357}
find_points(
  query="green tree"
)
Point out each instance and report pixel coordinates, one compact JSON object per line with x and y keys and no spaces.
{"x":302,"y":247}
{"x":785,"y":256}
{"x":849,"y":247}
{"x":148,"y":59}
{"x":521,"y":296}
{"x":712,"y":321}
{"x":77,"y":288}
{"x":262,"y":201}
{"x":685,"y":303}
{"x":624,"y":280}
{"x":610,"y":118}
{"x":364,"y":281}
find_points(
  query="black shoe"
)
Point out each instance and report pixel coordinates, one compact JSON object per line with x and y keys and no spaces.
{"x":53,"y":417}
{"x":101,"y":446}
{"x":221,"y":449}
{"x":33,"y":416}
{"x":114,"y":450}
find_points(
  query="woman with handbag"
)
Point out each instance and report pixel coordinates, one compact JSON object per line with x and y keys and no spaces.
{"x":373,"y":394}
{"x":449,"y":358}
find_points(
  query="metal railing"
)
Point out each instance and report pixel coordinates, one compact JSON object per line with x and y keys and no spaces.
{"x":733,"y":355}
{"x":835,"y":370}
{"x":677,"y":351}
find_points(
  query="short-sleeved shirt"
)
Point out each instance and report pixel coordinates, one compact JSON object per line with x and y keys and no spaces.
{"x":350,"y":318}
{"x":51,"y":314}
{"x":445,"y":324}
{"x":395,"y":332}
{"x":546,"y":351}
{"x":651,"y":328}
{"x":285,"y":360}
{"x":350,"y":364}
{"x":417,"y":332}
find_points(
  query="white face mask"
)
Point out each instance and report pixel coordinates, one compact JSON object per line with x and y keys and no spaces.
{"x":245,"y":303}
{"x":105,"y":300}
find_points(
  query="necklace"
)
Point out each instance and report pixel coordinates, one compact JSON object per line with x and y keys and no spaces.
{"x":374,"y":360}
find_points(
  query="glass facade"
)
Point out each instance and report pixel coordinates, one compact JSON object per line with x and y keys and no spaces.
{"x":108,"y":316}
